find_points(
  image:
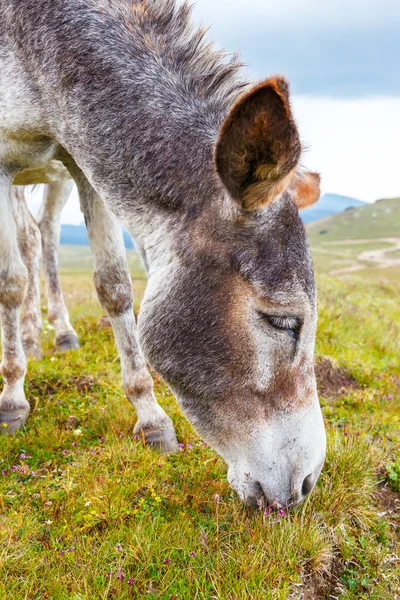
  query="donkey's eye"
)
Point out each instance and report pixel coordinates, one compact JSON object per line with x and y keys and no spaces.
{"x":290,"y":325}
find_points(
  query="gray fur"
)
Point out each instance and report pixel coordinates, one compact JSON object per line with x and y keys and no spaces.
{"x":129,"y":98}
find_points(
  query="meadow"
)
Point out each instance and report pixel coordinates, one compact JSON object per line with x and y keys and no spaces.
{"x":87,"y":512}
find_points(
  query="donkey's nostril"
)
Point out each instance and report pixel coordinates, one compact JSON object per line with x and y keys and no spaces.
{"x":308,"y":485}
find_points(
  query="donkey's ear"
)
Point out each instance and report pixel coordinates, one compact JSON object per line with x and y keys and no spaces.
{"x":305,"y":188}
{"x":258,"y":146}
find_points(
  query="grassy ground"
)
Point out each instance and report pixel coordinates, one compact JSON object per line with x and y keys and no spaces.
{"x":87,"y":513}
{"x":378,"y":220}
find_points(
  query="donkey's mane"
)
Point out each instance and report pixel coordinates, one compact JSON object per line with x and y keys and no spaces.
{"x":168,"y":32}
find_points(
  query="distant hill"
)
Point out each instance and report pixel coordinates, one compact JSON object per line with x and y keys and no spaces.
{"x":370,"y":221}
{"x":327,"y":205}
{"x":75,"y":235}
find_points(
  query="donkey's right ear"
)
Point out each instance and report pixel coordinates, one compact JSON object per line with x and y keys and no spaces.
{"x":258,"y":147}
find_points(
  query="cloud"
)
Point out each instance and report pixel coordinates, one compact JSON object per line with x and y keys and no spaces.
{"x":352,"y":143}
{"x":341,"y":48}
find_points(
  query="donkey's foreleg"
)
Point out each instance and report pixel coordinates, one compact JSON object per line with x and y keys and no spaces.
{"x":55,"y":197}
{"x":114,"y":289}
{"x":14,"y":408}
{"x":29,"y":243}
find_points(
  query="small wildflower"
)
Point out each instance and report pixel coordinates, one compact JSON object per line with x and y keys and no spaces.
{"x":62,"y":552}
{"x":49,"y":522}
{"x":14,"y":468}
{"x":390,"y":397}
{"x":131,"y":582}
{"x":4,"y":472}
{"x":205,"y":444}
{"x":102,"y":440}
{"x":167,"y":561}
{"x":136,"y":438}
{"x":109,"y":574}
{"x":181,"y":446}
{"x":4,"y":425}
{"x":22,"y":456}
{"x":120,"y":576}
{"x":71,"y":549}
{"x":268,"y":511}
{"x":192,"y":554}
{"x":189,"y":446}
{"x":31,"y":473}
{"x":118,"y":547}
{"x":77,"y":432}
{"x":282,"y":513}
{"x":22,"y":470}
{"x":75,"y":444}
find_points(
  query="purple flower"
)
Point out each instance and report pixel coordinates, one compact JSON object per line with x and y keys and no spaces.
{"x":4,"y":472}
{"x":205,"y":444}
{"x":14,"y":468}
{"x":189,"y":446}
{"x":118,"y":547}
{"x":62,"y":552}
{"x":282,"y":513}
{"x":71,"y":549}
{"x":22,"y":456}
{"x":136,"y":438}
{"x":109,"y":574}
{"x":181,"y":446}
{"x":390,"y":397}
{"x":192,"y":554}
{"x":31,"y":473}
{"x":102,"y":440}
{"x":131,"y":582}
{"x":75,"y":444}
{"x":167,"y":561}
{"x":65,"y":452}
{"x":120,"y":576}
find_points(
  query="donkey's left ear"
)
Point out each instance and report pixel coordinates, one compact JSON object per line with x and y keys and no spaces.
{"x":258,"y":148}
{"x":305,"y":188}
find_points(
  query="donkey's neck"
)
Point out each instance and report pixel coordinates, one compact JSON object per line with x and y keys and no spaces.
{"x":131,"y":93}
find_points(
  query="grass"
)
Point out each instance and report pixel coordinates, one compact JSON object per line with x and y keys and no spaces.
{"x":378,"y":220}
{"x":94,"y":515}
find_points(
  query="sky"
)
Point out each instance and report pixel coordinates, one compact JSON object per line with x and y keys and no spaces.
{"x":342,"y":59}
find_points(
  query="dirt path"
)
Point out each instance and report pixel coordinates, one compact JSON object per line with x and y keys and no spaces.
{"x":379,"y":258}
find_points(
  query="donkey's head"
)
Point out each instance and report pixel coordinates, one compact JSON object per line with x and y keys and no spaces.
{"x":230,"y":321}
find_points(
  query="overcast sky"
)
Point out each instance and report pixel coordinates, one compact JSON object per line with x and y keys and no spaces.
{"x":342,"y":60}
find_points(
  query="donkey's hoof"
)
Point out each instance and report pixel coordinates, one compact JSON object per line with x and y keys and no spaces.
{"x":12,"y":420}
{"x":162,"y":439}
{"x":32,"y":350}
{"x":66,"y":342}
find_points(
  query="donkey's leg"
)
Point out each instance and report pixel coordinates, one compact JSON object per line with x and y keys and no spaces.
{"x":29,"y":243}
{"x":56,"y":195}
{"x":114,"y":289}
{"x":14,"y":408}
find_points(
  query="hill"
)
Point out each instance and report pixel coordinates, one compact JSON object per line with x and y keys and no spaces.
{"x":75,"y":235}
{"x":370,"y":221}
{"x":329,"y":204}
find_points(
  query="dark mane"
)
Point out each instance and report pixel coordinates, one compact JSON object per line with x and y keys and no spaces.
{"x":167,"y":30}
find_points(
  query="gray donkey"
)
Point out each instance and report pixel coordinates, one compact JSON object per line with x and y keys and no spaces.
{"x":38,"y":239}
{"x":160,"y":133}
